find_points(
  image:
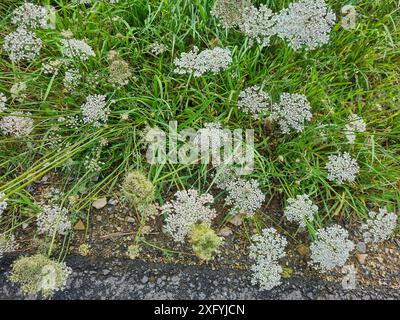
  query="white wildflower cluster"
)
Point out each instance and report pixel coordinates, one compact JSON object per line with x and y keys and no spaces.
{"x":341,"y":168}
{"x":3,"y":101}
{"x":266,"y":250}
{"x":224,"y":175}
{"x":95,"y":110}
{"x":291,"y":112}
{"x":30,"y":16}
{"x":229,"y":12}
{"x":52,"y":67}
{"x":157,"y":48}
{"x":355,"y":124}
{"x":331,"y":248}
{"x":379,"y":226}
{"x":3,"y":203}
{"x":211,"y":139}
{"x":17,"y":125}
{"x":258,"y":24}
{"x":208,"y":60}
{"x":119,"y":72}
{"x":53,"y":219}
{"x":349,"y":17}
{"x":22,"y":45}
{"x":188,"y":208}
{"x":72,"y":79}
{"x":300,"y":210}
{"x":254,"y":101}
{"x":7,"y":244}
{"x":305,"y":23}
{"x":244,"y":196}
{"x":77,"y":49}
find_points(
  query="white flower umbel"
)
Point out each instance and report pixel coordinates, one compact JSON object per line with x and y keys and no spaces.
{"x":254,"y":101}
{"x":31,"y":16}
{"x":72,"y":79}
{"x":185,"y":210}
{"x":305,"y":23}
{"x":379,"y":226}
{"x":208,"y":60}
{"x":22,"y":45}
{"x":3,"y":101}
{"x":355,"y":124}
{"x":258,"y":24}
{"x":17,"y":125}
{"x":300,"y":210}
{"x":3,"y":203}
{"x":266,"y":250}
{"x":7,"y":244}
{"x":229,"y":12}
{"x":53,"y":219}
{"x":76,"y":49}
{"x":341,"y":168}
{"x":291,"y":112}
{"x":244,"y":196}
{"x":331,"y":248}
{"x":95,"y":110}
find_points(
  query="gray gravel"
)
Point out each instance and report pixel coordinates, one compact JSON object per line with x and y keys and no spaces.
{"x":127,"y":279}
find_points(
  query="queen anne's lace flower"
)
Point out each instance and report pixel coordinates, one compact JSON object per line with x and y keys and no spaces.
{"x":30,"y":16}
{"x":3,"y":203}
{"x":355,"y":124}
{"x":18,"y":125}
{"x":379,"y":226}
{"x":254,"y":101}
{"x":291,"y":112}
{"x":208,"y":60}
{"x":244,"y":196}
{"x":266,"y":250}
{"x":258,"y":24}
{"x":300,"y":210}
{"x":187,"y":209}
{"x":3,"y":101}
{"x":95,"y":110}
{"x":77,"y":49}
{"x":53,"y":219}
{"x":7,"y":244}
{"x":72,"y":79}
{"x":22,"y":45}
{"x":52,"y":67}
{"x":331,"y":248}
{"x":229,"y":12}
{"x":342,"y":167}
{"x":305,"y":23}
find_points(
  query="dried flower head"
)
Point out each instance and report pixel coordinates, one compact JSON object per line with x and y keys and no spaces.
{"x":52,"y":67}
{"x":208,"y":60}
{"x":355,"y":124}
{"x":7,"y":244}
{"x":22,"y":45}
{"x":266,"y":250}
{"x":18,"y":125}
{"x":254,"y":101}
{"x":379,"y":225}
{"x":341,"y":168}
{"x":138,"y":190}
{"x":39,"y":274}
{"x":258,"y":24}
{"x":76,"y":49}
{"x":187,"y":209}
{"x":291,"y":112}
{"x":244,"y":196}
{"x":95,"y":110}
{"x":52,"y":219}
{"x":119,"y":72}
{"x":3,"y":101}
{"x":157,"y":48}
{"x":305,"y":23}
{"x":349,"y":16}
{"x":30,"y":16}
{"x":18,"y":90}
{"x":300,"y":210}
{"x":331,"y":248}
{"x":3,"y":203}
{"x":229,"y":12}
